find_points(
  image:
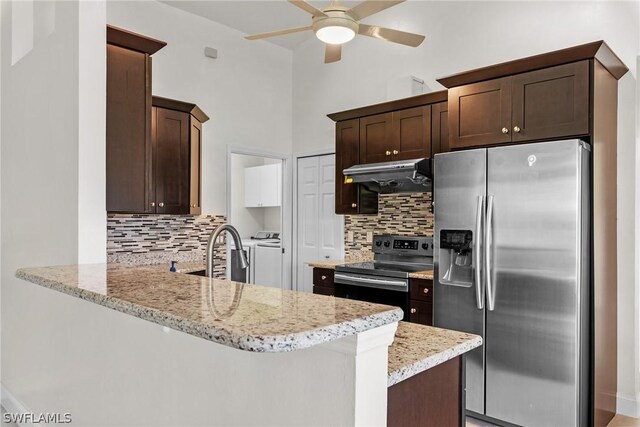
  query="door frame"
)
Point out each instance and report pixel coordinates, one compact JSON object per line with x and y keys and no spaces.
{"x":286,"y":211}
{"x":296,"y":157}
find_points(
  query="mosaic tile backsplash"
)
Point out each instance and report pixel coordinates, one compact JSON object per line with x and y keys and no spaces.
{"x":157,"y":239}
{"x":406,"y":214}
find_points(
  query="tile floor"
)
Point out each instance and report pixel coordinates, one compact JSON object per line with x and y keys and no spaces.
{"x":617,"y":421}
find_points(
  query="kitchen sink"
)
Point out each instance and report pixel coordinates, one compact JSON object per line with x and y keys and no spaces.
{"x":202,"y":273}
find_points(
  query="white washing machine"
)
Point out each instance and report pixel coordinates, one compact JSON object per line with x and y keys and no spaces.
{"x":249,"y":245}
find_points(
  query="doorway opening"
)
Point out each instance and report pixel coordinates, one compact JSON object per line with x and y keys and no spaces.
{"x":256,"y":207}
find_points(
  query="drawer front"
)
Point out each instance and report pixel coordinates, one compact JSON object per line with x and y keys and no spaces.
{"x":421,"y":289}
{"x":420,"y":312}
{"x":323,"y":290}
{"x":323,"y":277}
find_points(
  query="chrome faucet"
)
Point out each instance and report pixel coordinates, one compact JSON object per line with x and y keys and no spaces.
{"x":211,"y":245}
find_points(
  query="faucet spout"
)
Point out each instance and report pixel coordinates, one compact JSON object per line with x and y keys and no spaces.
{"x":211,"y":247}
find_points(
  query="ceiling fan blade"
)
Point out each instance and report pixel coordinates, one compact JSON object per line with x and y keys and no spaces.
{"x":332,"y":53}
{"x":369,"y":7}
{"x":277,"y":33}
{"x":307,"y":7}
{"x":395,"y":36}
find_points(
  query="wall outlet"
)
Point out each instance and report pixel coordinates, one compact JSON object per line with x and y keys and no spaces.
{"x":350,"y":236}
{"x":369,"y":236}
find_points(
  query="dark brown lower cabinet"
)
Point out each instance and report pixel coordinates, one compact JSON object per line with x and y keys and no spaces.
{"x":323,"y":281}
{"x":421,"y":301}
{"x":433,"y":398}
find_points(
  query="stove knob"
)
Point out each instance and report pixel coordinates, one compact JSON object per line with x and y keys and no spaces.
{"x":425,"y":246}
{"x":378,"y":243}
{"x":386,"y":244}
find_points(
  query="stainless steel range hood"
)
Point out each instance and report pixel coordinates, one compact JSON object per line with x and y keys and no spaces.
{"x":403,"y":176}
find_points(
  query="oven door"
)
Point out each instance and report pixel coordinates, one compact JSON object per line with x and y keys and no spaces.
{"x":375,"y":289}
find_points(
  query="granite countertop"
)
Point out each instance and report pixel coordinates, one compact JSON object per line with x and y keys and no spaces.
{"x":417,"y":348}
{"x":247,"y":317}
{"x":332,"y":263}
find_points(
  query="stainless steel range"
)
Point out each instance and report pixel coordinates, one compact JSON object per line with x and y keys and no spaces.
{"x":385,"y":280}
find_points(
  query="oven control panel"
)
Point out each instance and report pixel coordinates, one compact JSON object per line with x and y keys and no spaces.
{"x":403,"y":245}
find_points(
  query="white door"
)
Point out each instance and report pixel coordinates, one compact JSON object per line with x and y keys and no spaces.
{"x":320,"y":230}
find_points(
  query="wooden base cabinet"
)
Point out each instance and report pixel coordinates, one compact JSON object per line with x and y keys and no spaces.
{"x":433,"y":398}
{"x":323,"y":281}
{"x":421,"y":301}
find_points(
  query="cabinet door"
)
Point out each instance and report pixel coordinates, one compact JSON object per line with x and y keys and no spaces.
{"x":195,"y":167}
{"x":551,"y":103}
{"x":347,"y":151}
{"x":439,"y":128}
{"x":172,"y":161}
{"x":376,"y":138}
{"x":252,"y":177}
{"x":128,"y":131}
{"x":270,"y":185}
{"x":480,"y":114}
{"x":420,"y":312}
{"x":412,"y":133}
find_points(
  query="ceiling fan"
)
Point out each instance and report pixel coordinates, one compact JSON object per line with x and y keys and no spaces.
{"x":336,"y":25}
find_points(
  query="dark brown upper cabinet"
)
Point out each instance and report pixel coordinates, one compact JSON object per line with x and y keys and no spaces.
{"x":350,"y":198}
{"x":128,"y":120}
{"x":399,"y":135}
{"x":376,"y":138}
{"x":542,"y":104}
{"x":412,"y":133}
{"x":542,"y":97}
{"x":177,"y":157}
{"x":396,"y":130}
{"x":440,"y":127}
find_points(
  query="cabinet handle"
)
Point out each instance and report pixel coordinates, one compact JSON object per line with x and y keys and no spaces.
{"x":193,"y":205}
{"x":323,"y":277}
{"x":516,"y":129}
{"x":395,"y":152}
{"x":153,"y":204}
{"x":413,"y":311}
{"x":161,"y":204}
{"x":388,"y":153}
{"x":505,"y":130}
{"x":353,"y":205}
{"x":425,"y":290}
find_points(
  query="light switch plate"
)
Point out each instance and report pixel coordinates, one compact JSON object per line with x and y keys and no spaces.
{"x":369,"y":236}
{"x":350,"y":236}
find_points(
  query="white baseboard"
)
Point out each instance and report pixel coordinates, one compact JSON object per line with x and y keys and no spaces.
{"x":12,"y":404}
{"x":627,"y":405}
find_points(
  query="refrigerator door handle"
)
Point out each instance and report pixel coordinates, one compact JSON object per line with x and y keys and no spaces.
{"x":477,"y":252}
{"x":491,"y":300}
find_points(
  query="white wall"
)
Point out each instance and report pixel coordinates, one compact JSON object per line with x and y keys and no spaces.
{"x":42,"y":204}
{"x":246,"y":91}
{"x":466,"y":35}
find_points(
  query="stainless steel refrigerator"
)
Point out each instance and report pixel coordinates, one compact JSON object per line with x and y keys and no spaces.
{"x":513,"y":264}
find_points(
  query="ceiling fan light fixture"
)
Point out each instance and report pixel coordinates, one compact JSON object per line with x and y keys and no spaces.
{"x":335,"y":30}
{"x":335,"y":34}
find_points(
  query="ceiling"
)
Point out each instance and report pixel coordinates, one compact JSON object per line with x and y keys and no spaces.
{"x":252,"y":17}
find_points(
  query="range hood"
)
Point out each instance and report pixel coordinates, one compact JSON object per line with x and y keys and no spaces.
{"x":403,"y":176}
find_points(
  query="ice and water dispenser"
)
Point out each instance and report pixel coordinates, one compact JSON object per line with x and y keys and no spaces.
{"x":456,"y":255}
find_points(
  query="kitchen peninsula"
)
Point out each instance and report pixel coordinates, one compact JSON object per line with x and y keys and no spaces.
{"x":304,"y":353}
